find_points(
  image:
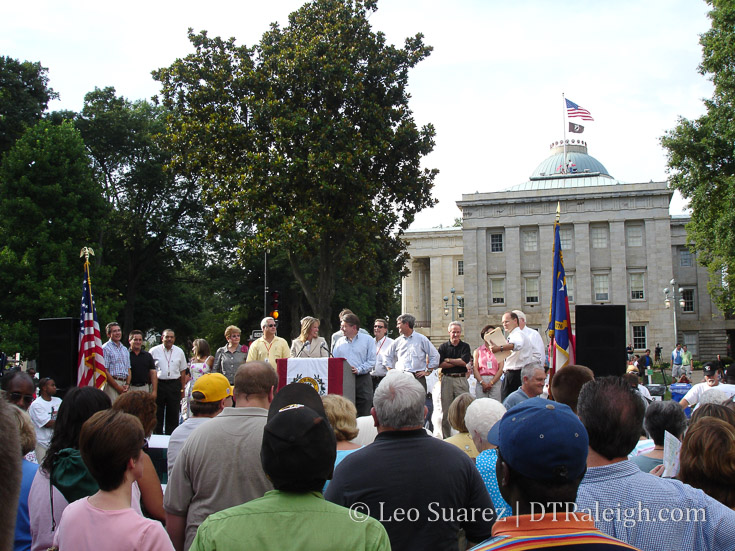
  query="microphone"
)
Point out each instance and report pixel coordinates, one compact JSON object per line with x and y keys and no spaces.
{"x":302,"y":349}
{"x":325,"y":347}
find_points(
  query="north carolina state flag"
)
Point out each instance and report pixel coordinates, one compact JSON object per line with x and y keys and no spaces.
{"x":324,"y":374}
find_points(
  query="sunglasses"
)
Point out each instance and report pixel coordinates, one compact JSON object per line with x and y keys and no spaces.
{"x":16,"y":396}
{"x":271,"y":325}
{"x":378,"y":327}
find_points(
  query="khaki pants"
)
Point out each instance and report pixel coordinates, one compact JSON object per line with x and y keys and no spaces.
{"x":451,"y":388}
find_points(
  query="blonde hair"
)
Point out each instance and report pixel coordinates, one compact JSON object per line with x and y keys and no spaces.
{"x":342,"y":415}
{"x":457,"y":410}
{"x":25,"y":430}
{"x":306,"y":324}
{"x":232,"y":329}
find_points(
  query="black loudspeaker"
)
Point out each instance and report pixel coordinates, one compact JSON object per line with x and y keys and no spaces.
{"x":58,"y":340}
{"x":600,"y":332}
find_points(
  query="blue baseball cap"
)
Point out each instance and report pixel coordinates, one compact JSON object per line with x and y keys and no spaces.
{"x":542,"y":440}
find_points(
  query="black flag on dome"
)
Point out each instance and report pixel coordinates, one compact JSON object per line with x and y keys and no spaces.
{"x":576,"y":128}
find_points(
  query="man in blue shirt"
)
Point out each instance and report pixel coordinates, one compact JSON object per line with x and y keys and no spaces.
{"x":646,"y":511}
{"x":359,"y":351}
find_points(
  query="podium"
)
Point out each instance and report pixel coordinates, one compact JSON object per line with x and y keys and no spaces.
{"x":326,"y":375}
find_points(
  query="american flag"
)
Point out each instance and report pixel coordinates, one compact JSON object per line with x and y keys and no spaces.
{"x":91,"y":370}
{"x":574,"y":110}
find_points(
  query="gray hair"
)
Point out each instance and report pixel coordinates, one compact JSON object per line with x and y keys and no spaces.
{"x":399,"y":401}
{"x":457,"y":323}
{"x":520,"y":314}
{"x":265,"y":321}
{"x":713,"y":396}
{"x":481,"y":415}
{"x":664,"y":416}
{"x":529,"y":369}
{"x":407,"y":318}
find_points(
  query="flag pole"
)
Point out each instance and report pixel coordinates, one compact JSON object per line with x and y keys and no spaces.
{"x":564,"y":142}
{"x":86,"y":252}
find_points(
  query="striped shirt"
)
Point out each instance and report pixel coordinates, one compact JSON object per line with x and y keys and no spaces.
{"x":546,"y":531}
{"x":117,"y":359}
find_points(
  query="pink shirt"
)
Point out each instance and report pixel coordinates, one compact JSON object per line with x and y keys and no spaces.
{"x":487,"y":362}
{"x":85,"y":527}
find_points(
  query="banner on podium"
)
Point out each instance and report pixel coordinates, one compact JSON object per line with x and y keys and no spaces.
{"x":324,"y":374}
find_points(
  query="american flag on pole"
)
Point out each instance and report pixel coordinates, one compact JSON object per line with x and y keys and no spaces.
{"x":560,"y":324}
{"x":574,"y":110}
{"x":91,"y":370}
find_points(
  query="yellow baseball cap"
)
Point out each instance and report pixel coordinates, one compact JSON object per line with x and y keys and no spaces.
{"x":211,"y":387}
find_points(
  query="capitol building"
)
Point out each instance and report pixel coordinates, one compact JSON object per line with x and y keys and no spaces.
{"x":620,"y":244}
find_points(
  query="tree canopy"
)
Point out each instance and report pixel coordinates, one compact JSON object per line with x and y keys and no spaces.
{"x":306,"y":143}
{"x":701,"y":159}
{"x":49,"y":204}
{"x":24,"y":96}
{"x":153,"y":213}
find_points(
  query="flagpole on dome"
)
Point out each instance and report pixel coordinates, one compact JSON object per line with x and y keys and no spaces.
{"x":564,"y":141}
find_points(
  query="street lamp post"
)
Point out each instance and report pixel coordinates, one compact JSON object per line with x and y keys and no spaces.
{"x":672,"y":296}
{"x":457,"y":305}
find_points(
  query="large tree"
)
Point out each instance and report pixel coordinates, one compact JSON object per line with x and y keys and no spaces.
{"x":49,"y":208}
{"x":154,"y":215}
{"x":306,"y":139}
{"x":701,"y":159}
{"x":24,"y":96}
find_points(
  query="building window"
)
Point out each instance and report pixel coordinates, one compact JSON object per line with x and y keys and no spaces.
{"x":691,"y":339}
{"x":636,"y":287}
{"x":634,"y":234}
{"x":570,"y":287}
{"x":686,"y":258}
{"x":565,"y":236}
{"x":531,"y":290}
{"x":688,"y":296}
{"x":602,"y":287}
{"x":496,"y":242}
{"x":460,"y":267}
{"x":598,"y":235}
{"x":530,"y":241}
{"x":640,"y":342}
{"x":497,"y":290}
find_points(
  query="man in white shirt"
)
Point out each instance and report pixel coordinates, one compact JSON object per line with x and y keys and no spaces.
{"x":411,"y":351}
{"x":170,"y":365}
{"x":382,"y":345}
{"x":711,"y":380}
{"x":534,"y":337}
{"x":521,"y":354}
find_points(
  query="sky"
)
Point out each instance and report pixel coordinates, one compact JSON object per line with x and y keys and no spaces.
{"x":492,"y":87}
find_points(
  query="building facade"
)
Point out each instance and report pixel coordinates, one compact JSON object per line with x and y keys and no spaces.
{"x":620,"y":246}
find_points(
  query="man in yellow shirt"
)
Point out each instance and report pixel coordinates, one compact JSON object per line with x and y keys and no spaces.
{"x":269,"y":347}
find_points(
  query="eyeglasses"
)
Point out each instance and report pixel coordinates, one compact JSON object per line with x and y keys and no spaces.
{"x":271,"y":325}
{"x":378,"y":327}
{"x":16,"y":396}
{"x":235,"y":336}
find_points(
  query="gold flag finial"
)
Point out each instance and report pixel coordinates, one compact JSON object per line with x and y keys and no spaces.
{"x":558,"y":210}
{"x":86,"y":252}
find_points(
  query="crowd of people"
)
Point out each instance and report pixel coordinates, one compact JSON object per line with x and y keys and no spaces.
{"x":252,"y":466}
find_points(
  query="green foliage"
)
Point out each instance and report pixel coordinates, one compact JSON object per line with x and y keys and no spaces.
{"x":701,"y":160}
{"x":154,"y":216}
{"x":24,"y":96}
{"x":306,"y":144}
{"x":49,"y":209}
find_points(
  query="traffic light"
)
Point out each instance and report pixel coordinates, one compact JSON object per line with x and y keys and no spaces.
{"x":274,"y":305}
